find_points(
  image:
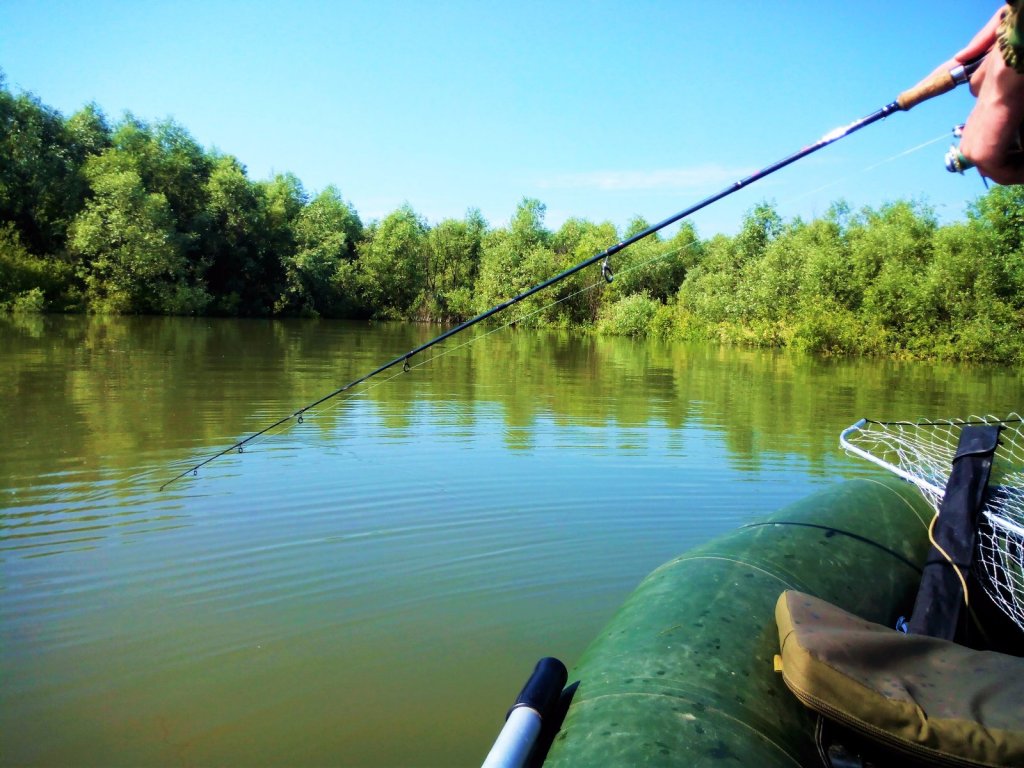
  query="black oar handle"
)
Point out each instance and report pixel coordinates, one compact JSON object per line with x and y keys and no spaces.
{"x":544,"y":687}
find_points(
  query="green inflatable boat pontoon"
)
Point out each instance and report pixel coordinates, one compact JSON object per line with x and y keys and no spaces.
{"x":683,"y":674}
{"x":877,"y":622}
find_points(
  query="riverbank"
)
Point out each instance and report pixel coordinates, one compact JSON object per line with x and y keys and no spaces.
{"x":136,"y":218}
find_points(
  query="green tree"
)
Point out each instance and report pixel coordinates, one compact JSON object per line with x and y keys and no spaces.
{"x":283,"y":199}
{"x":88,"y":131}
{"x":761,"y":225}
{"x":718,"y":298}
{"x":1001,"y":211}
{"x":242,"y":273}
{"x":976,"y":307}
{"x":653,"y":266}
{"x":319,"y":275}
{"x":578,"y":299}
{"x":392,"y":264}
{"x":708,"y":294}
{"x":25,"y":279}
{"x":514,"y":259}
{"x":827,"y":272}
{"x":527,"y":226}
{"x":41,"y":187}
{"x":170,"y":162}
{"x":129,"y":253}
{"x":632,"y":315}
{"x":174,"y":164}
{"x":452,"y":262}
{"x":890,"y":253}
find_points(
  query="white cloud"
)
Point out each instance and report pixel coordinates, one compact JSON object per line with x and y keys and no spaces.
{"x":666,"y":178}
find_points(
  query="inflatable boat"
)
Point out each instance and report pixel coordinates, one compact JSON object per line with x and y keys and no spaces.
{"x":683,"y":674}
{"x":687,"y":673}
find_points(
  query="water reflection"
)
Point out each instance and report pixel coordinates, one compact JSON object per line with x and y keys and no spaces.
{"x":100,"y":408}
{"x":89,"y":396}
{"x":306,"y":601}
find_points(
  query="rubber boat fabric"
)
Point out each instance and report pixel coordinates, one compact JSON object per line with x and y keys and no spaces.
{"x":925,"y":697}
{"x":683,"y":674}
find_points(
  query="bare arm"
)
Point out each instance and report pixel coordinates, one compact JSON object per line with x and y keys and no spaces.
{"x":991,"y":137}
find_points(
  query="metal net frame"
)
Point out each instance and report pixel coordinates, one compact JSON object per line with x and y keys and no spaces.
{"x":922,"y":452}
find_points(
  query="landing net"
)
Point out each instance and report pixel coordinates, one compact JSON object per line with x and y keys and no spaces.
{"x":923,"y":452}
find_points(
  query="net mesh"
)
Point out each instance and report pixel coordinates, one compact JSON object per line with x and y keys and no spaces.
{"x":922,"y":452}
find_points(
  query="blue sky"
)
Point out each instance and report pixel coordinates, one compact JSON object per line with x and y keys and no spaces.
{"x":602,"y":110}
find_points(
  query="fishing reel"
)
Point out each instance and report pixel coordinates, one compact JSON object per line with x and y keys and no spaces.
{"x":955,"y":161}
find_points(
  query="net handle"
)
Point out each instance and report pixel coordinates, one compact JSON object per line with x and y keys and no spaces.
{"x":924,"y":485}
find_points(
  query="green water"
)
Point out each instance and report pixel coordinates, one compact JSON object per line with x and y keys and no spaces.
{"x":371,"y":587}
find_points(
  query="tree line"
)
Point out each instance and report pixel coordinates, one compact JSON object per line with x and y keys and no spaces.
{"x":135,"y":217}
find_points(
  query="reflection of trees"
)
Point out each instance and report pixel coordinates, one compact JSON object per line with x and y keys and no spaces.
{"x":797,"y":404}
{"x":101,"y":394}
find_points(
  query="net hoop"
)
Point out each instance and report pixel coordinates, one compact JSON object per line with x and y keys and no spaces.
{"x":922,"y":453}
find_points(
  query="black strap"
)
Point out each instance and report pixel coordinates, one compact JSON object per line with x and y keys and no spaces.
{"x":940,"y":596}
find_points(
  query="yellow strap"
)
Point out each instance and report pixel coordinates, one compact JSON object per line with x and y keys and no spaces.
{"x":956,"y":569}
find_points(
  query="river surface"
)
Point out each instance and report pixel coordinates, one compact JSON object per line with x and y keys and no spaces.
{"x":370,"y":587}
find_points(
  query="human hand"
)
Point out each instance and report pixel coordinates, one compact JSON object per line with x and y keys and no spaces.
{"x":992,"y":135}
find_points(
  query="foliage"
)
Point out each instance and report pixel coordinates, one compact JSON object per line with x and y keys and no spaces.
{"x":130,"y":255}
{"x":22,"y":275}
{"x":318,"y":273}
{"x":629,"y":316}
{"x":514,"y":259}
{"x":887,"y":281}
{"x":136,"y":217}
{"x":578,"y":301}
{"x":230,"y":249}
{"x":392,"y":264}
{"x":452,"y":263}
{"x":40,"y":183}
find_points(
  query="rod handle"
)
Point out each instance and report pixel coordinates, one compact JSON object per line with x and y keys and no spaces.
{"x":926,"y":89}
{"x":524,"y":722}
{"x":939,"y":83}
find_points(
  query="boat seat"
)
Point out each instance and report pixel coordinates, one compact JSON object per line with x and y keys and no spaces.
{"x":924,"y":698}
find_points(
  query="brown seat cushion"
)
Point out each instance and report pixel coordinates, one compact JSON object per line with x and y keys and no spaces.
{"x":930,"y":698}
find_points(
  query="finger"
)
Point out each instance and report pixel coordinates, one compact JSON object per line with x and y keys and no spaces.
{"x":983,"y":41}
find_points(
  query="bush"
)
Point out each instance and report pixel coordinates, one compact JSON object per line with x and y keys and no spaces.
{"x":630,"y":316}
{"x":28,"y":302}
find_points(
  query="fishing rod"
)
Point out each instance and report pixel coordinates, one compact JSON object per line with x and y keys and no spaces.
{"x":926,"y":89}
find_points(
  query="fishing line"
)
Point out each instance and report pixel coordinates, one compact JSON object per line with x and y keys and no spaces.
{"x":290,"y":422}
{"x":904,"y":153}
{"x":287,"y":423}
{"x":868,"y":169}
{"x":933,"y":86}
{"x":538,"y":310}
